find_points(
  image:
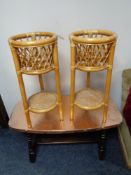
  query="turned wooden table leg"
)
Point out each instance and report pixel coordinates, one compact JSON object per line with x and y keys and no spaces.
{"x":102,"y":145}
{"x":32,"y":143}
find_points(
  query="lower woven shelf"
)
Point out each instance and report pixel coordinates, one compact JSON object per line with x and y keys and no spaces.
{"x":89,"y":99}
{"x":42,"y":102}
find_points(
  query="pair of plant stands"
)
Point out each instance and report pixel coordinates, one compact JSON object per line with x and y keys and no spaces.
{"x":84,"y":116}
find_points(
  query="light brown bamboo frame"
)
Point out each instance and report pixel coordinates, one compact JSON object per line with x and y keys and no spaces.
{"x":75,"y":38}
{"x":19,"y":41}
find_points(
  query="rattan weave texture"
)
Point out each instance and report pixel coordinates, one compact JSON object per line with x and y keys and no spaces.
{"x":43,"y":101}
{"x":89,"y":98}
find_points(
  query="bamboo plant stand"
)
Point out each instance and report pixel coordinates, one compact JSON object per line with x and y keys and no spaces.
{"x":47,"y":128}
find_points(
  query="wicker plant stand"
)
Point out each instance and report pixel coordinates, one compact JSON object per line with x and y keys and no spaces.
{"x":48,"y":129}
{"x":91,"y":51}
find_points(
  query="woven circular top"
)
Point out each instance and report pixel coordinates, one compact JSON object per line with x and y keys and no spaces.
{"x":93,"y":36}
{"x":89,"y":99}
{"x":42,"y":102}
{"x":32,"y":39}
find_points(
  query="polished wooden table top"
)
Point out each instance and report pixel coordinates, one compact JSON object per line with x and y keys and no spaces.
{"x":49,"y":122}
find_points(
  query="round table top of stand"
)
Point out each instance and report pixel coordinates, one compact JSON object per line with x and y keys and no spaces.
{"x":49,"y":122}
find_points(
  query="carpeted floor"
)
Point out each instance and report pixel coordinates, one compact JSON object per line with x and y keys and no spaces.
{"x":70,"y":159}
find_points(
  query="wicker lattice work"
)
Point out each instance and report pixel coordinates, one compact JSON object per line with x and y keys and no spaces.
{"x":35,"y":58}
{"x":36,"y":54}
{"x":92,"y":55}
{"x":34,"y":51}
{"x":91,"y":50}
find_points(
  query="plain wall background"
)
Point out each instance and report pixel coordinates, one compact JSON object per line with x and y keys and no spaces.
{"x":62,"y":17}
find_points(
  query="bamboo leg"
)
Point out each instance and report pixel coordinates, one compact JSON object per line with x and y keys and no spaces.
{"x":57,"y":76}
{"x":106,"y":98}
{"x":59,"y":93}
{"x":22,"y":87}
{"x":24,"y":98}
{"x":41,"y":82}
{"x":108,"y":84}
{"x":72,"y":94}
{"x":105,"y":113}
{"x":72,"y":88}
{"x":88,"y":79}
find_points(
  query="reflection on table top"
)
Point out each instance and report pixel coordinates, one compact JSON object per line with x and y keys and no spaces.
{"x":50,"y":123}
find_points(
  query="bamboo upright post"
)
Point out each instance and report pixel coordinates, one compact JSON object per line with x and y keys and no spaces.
{"x":41,"y":82}
{"x":88,"y":79}
{"x":57,"y":76}
{"x":108,"y":84}
{"x":24,"y":99}
{"x":72,"y":84}
{"x":22,"y":88}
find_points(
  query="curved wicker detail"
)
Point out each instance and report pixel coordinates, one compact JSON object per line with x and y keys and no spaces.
{"x":34,"y":51}
{"x":42,"y":102}
{"x":89,"y":99}
{"x":35,"y":58}
{"x":92,"y":55}
{"x":93,"y":49}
